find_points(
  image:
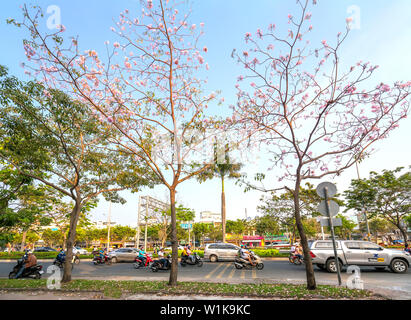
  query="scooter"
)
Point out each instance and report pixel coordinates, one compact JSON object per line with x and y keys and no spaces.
{"x":186,"y":261}
{"x":98,"y":260}
{"x":60,"y":262}
{"x":139,"y":263}
{"x":158,"y":265}
{"x":34,"y":272}
{"x":241,"y":263}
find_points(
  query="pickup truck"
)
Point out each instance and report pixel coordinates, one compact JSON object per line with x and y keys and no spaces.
{"x":360,"y":253}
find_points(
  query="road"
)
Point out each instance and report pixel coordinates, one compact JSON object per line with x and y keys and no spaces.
{"x":398,"y":285}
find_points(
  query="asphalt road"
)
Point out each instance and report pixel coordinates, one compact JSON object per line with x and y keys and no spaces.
{"x":274,"y":271}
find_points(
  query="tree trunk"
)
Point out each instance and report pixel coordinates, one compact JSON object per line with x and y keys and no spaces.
{"x":404,"y":234}
{"x":23,"y":240}
{"x":174,"y":242}
{"x":309,"y":270}
{"x":74,"y":217}
{"x":223,"y":208}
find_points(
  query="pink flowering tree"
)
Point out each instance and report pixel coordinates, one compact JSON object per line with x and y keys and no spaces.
{"x":145,"y":87}
{"x":315,"y":115}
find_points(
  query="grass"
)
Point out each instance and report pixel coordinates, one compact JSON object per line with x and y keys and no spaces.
{"x":117,"y":289}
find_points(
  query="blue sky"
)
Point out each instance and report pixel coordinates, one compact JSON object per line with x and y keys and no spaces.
{"x":384,"y":38}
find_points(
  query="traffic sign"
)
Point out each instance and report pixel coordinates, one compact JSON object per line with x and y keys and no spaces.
{"x":337,"y":222}
{"x":186,"y":225}
{"x":331,"y":189}
{"x":333,"y":206}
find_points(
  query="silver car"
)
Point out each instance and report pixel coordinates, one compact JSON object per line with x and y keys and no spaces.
{"x":123,"y":254}
{"x":221,"y":251}
{"x":360,"y":253}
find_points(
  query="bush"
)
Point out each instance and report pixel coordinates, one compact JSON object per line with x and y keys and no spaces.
{"x":39,"y":255}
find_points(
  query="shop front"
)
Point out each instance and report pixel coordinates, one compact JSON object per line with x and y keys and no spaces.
{"x":253,"y":241}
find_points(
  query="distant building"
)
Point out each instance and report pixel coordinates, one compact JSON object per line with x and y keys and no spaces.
{"x":210,"y":217}
{"x":103,"y":224}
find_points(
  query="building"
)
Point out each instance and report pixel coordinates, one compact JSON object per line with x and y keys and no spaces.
{"x":210,"y":217}
{"x":103,"y":224}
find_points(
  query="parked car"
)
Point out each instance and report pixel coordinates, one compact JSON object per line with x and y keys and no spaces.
{"x":123,"y":254}
{"x":78,"y":250}
{"x":220,"y":251}
{"x":44,"y":249}
{"x":360,"y":253}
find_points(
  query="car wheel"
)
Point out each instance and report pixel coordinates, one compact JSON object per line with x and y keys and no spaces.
{"x":213,"y":258}
{"x":260,"y":266}
{"x":114,"y":260}
{"x":399,"y":266}
{"x":332,"y":266}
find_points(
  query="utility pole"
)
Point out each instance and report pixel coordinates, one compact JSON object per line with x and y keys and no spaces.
{"x":108,"y":227}
{"x":146,"y":220}
{"x":364,"y":212}
{"x":138,"y":223}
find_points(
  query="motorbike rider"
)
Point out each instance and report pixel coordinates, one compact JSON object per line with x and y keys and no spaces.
{"x":162,"y":260}
{"x":189,"y":254}
{"x":102,"y":254}
{"x":298,"y":252}
{"x":61,"y":257}
{"x":29,"y":262}
{"x":245,"y":254}
{"x":142,"y":255}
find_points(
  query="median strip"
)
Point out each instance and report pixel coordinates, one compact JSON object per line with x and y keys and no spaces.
{"x":119,"y":289}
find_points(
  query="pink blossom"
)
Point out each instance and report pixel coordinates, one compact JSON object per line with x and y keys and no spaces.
{"x":116,"y":44}
{"x":205,"y":49}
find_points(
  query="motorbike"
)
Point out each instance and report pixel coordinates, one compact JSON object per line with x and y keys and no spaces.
{"x":34,"y":272}
{"x":158,"y":265}
{"x":293,"y":259}
{"x":98,"y":260}
{"x":60,"y":262}
{"x":139,"y":263}
{"x":241,"y":263}
{"x":186,"y":261}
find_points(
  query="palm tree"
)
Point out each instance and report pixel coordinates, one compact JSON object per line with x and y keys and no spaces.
{"x":224,"y":170}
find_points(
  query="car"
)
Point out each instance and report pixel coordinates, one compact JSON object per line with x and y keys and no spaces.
{"x":123,"y":254}
{"x":360,"y":253}
{"x":44,"y":249}
{"x":220,"y":251}
{"x":169,"y":248}
{"x":78,"y":250}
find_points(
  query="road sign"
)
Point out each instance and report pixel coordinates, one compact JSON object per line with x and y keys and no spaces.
{"x":332,"y":189}
{"x":325,"y":222}
{"x":334,"y":208}
{"x":329,"y":208}
{"x":186,"y":225}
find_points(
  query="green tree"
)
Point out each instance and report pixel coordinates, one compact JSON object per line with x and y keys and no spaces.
{"x":347,"y":228}
{"x":386,"y":195}
{"x":224,"y":170}
{"x":267,"y":224}
{"x":49,"y":137}
{"x":201,"y":230}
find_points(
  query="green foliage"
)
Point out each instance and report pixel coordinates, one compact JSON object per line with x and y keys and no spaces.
{"x":386,"y":196}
